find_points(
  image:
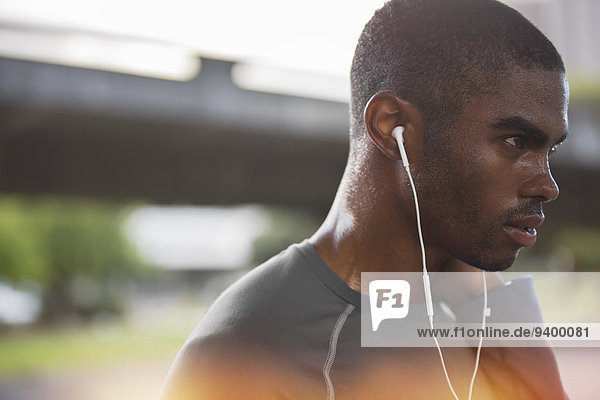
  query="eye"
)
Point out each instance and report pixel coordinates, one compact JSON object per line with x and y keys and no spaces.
{"x":516,"y":141}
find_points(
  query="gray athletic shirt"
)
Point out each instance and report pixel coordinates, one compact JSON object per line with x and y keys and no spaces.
{"x":303,"y":322}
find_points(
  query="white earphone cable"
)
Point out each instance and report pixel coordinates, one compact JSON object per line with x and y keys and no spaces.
{"x":425,"y":285}
{"x":428,"y":290}
{"x":485,"y":314}
{"x":412,"y":185}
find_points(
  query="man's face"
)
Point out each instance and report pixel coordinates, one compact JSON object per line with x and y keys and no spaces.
{"x":483,"y":184}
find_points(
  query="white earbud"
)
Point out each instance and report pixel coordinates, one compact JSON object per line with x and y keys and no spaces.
{"x":397,"y":133}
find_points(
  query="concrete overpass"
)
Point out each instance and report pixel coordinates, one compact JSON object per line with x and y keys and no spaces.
{"x":79,"y":132}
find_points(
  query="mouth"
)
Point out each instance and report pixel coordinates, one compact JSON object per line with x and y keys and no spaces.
{"x":522,"y":230}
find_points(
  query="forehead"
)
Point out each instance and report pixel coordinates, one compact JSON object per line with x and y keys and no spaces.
{"x":536,"y":95}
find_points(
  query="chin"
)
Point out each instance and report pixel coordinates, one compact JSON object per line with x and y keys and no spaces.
{"x":491,"y":262}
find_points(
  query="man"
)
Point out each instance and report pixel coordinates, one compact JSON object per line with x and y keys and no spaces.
{"x":481,"y":95}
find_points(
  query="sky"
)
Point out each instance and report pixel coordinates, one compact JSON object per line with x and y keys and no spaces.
{"x":309,"y":35}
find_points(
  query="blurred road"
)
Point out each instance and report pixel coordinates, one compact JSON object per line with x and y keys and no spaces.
{"x":127,"y":381}
{"x":143,"y":380}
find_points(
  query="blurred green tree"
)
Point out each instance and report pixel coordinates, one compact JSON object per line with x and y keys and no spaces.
{"x":583,"y":243}
{"x":74,"y":250}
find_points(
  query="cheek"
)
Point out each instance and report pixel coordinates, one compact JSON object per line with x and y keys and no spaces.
{"x":464,"y":191}
{"x":448,"y":195}
{"x":478,"y":191}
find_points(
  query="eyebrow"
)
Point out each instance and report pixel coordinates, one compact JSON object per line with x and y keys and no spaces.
{"x":517,"y":123}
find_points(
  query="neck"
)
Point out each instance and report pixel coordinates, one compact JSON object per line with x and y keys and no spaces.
{"x":372,"y":227}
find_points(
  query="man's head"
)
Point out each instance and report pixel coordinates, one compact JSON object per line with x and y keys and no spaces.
{"x":485,"y":98}
{"x":437,"y":54}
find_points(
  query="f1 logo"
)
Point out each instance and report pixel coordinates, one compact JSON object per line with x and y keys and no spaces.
{"x":389,"y":299}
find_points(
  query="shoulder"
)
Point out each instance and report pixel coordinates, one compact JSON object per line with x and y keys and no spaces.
{"x":210,"y":369}
{"x":248,"y":305}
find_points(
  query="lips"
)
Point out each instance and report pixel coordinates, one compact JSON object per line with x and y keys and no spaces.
{"x":522,"y":230}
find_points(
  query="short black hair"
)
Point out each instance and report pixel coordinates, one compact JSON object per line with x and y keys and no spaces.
{"x":437,"y":54}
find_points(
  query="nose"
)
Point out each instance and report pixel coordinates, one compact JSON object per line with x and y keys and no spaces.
{"x":541,"y":185}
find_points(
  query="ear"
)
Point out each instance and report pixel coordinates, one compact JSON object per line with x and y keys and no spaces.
{"x":383,"y":113}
